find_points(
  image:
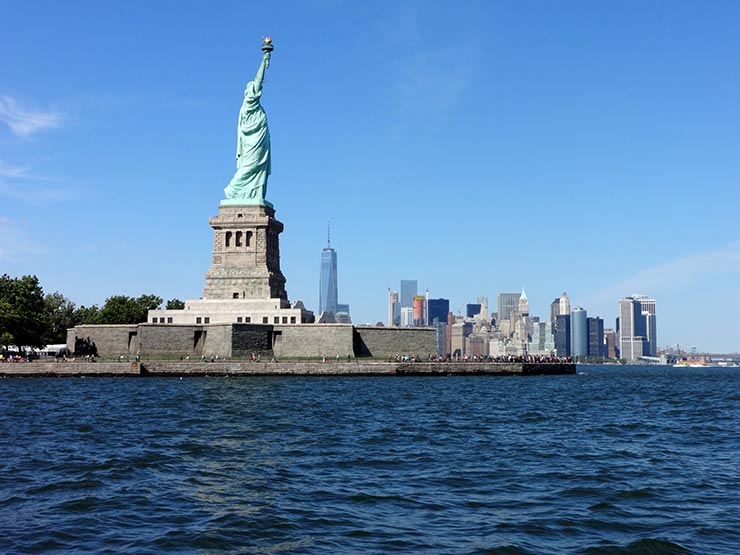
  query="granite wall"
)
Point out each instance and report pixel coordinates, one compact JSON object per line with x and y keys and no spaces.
{"x":218,"y":340}
{"x":381,"y":342}
{"x":251,"y":338}
{"x":243,"y":368}
{"x":169,"y":340}
{"x":313,"y":340}
{"x":111,"y":341}
{"x":239,"y":340}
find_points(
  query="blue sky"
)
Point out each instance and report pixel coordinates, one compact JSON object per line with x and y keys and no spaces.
{"x":478,"y":147}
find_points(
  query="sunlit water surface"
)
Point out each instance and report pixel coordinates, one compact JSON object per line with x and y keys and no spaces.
{"x":613,"y":460}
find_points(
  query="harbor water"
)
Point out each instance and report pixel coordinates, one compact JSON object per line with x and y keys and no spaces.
{"x":612,"y":460}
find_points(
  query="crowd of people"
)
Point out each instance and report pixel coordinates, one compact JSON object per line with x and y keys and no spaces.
{"x":85,"y":348}
{"x":13,"y":357}
{"x":87,"y":351}
{"x":532,"y":359}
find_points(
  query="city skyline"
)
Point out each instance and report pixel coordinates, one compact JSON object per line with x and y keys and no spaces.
{"x":512,"y":330}
{"x":567,"y":146}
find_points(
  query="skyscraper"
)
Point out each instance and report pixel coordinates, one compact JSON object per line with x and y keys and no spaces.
{"x":483,"y":302}
{"x":596,"y":345}
{"x":651,"y":333}
{"x":506,"y":303}
{"x":328,"y":296}
{"x":578,"y":332}
{"x":420,"y":310}
{"x":408,"y":292}
{"x":441,"y":331}
{"x":637,"y":327}
{"x":407,"y":316}
{"x":438,"y":310}
{"x":543,"y":341}
{"x":394,"y":309}
{"x":562,"y":335}
{"x":472,"y":309}
{"x":564,"y":303}
{"x":554,"y":311}
{"x":631,"y":343}
{"x":610,"y":343}
{"x":647,"y":310}
{"x":523,"y":304}
{"x":342,"y":315}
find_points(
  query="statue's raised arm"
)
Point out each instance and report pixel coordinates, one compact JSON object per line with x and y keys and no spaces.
{"x":267,"y":49}
{"x":249,"y":184}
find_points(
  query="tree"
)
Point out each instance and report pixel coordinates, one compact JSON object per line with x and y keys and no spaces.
{"x":22,"y":310}
{"x":175,"y":304}
{"x":6,"y":340}
{"x":60,"y":314}
{"x":87,"y":315}
{"x":121,"y":309}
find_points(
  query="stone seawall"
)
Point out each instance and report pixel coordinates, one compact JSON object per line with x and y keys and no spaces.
{"x":73,"y":369}
{"x":228,"y":368}
{"x":151,"y":340}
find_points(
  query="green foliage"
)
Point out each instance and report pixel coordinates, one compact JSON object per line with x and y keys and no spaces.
{"x":22,"y":310}
{"x":60,"y":314}
{"x":175,"y":304}
{"x":6,"y":340}
{"x":121,"y":309}
{"x":28,"y":318}
{"x":87,"y":315}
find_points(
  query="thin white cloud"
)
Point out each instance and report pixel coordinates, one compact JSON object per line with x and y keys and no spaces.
{"x":18,"y":183}
{"x":25,"y":122}
{"x":430,"y":84}
{"x":672,"y":275}
{"x":14,"y":241}
{"x":6,"y":170}
{"x":425,"y":79}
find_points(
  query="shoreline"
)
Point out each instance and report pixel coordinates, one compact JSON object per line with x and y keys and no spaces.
{"x":164,"y":368}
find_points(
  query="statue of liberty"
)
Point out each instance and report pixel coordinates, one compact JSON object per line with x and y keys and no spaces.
{"x":249,"y":184}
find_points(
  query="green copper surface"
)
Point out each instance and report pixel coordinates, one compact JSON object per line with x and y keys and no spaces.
{"x":249,"y":184}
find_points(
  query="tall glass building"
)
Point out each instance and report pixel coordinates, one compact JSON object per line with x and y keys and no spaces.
{"x":579,"y":332}
{"x":647,"y":310}
{"x":554,"y":311}
{"x":596,"y":346}
{"x":637,"y":327}
{"x":562,"y":335}
{"x":394,"y":309}
{"x":438,"y":309}
{"x":506,"y":303}
{"x":472,"y":309}
{"x":564,"y":304}
{"x":408,"y":292}
{"x":543,"y":341}
{"x":328,"y":281}
{"x":407,"y":316}
{"x":420,"y":310}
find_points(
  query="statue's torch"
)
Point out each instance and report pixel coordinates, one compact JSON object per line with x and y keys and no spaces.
{"x":267,"y":48}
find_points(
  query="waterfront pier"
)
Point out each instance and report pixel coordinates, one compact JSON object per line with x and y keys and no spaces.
{"x":152,"y":368}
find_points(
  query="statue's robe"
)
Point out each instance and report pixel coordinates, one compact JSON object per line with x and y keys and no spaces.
{"x":252,"y":151}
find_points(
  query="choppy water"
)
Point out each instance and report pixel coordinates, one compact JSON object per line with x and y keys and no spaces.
{"x":613,"y":461}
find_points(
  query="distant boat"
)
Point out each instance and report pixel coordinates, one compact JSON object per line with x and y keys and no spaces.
{"x":691,"y":364}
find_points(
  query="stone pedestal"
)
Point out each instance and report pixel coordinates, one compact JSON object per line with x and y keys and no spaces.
{"x":244,"y":284}
{"x":246,"y":255}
